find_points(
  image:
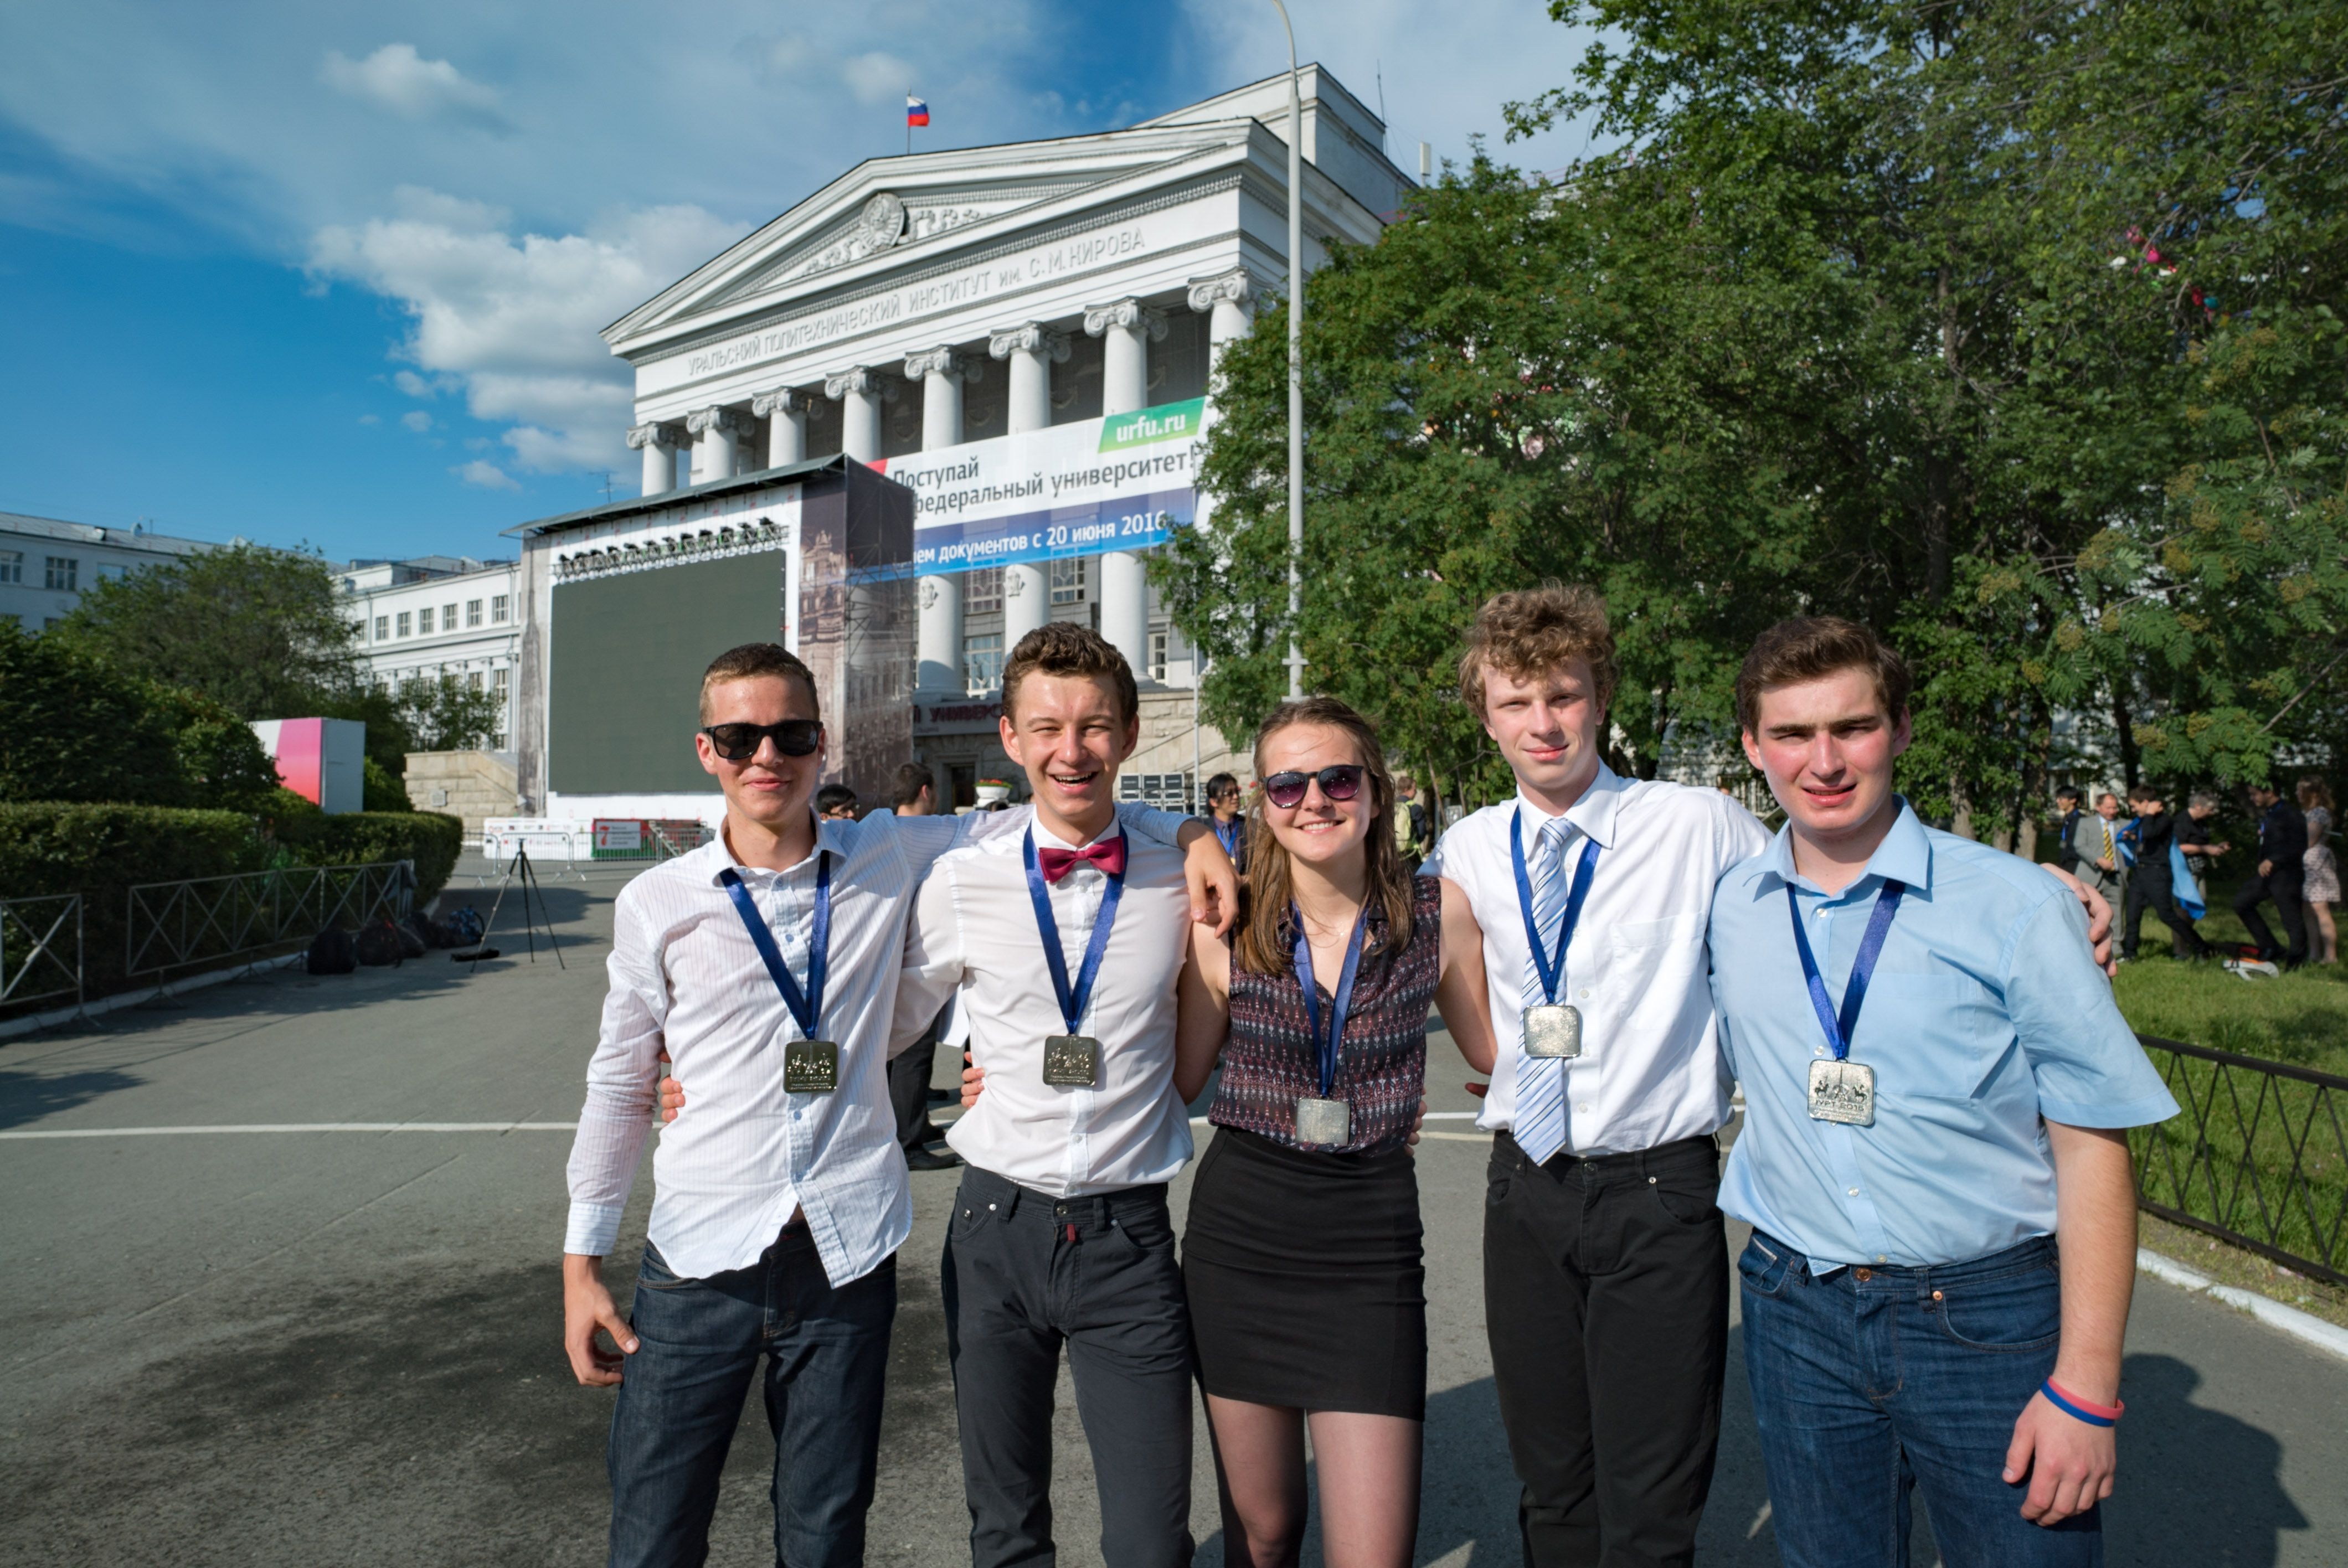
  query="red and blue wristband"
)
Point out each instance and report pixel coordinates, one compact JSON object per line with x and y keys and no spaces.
{"x":2087,"y":1411}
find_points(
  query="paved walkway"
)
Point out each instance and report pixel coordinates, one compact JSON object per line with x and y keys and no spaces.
{"x":266,"y":1348}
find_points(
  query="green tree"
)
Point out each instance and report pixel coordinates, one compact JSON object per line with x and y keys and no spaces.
{"x":447,"y":715}
{"x":261,"y":631}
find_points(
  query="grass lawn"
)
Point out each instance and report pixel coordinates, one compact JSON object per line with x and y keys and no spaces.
{"x":2302,"y":1018}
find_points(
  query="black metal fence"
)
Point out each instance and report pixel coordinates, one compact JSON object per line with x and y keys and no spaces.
{"x":215,"y":919}
{"x":2258,"y":1156}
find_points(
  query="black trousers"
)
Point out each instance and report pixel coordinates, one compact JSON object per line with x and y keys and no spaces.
{"x":1606,"y":1297}
{"x":1024,"y":1274}
{"x":909,"y":1088}
{"x":2158,"y":894}
{"x":2282,"y":885}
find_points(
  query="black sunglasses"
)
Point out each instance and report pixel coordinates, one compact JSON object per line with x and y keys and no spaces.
{"x":739,"y":743}
{"x":1343,"y":782}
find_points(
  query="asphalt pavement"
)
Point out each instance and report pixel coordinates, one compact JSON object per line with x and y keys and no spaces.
{"x":321,"y":1347}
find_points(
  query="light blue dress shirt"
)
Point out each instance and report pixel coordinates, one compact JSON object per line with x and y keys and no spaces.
{"x":1985,"y":1014}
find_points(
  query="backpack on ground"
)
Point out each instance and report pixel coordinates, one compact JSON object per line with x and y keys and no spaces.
{"x":460,"y":927}
{"x":415,"y":935}
{"x":379,"y":944}
{"x":331,"y":952}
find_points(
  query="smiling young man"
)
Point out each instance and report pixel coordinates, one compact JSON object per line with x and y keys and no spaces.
{"x":1937,"y":1081}
{"x":1605,"y":1265}
{"x":1062,"y":946}
{"x":765,"y":965}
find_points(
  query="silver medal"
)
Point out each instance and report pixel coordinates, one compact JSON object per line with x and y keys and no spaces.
{"x":810,"y":1067}
{"x":1552,"y":1030}
{"x":1323,"y":1122}
{"x":1842,"y":1091}
{"x":1071,"y":1060}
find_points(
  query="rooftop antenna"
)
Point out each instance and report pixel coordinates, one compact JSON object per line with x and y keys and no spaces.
{"x":607,"y":484}
{"x":1382,"y":103}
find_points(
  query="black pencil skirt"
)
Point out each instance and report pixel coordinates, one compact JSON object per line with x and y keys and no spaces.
{"x":1307,"y":1277}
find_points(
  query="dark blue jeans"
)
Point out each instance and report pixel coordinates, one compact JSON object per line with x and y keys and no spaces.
{"x":1872,"y":1382}
{"x":681,"y":1396}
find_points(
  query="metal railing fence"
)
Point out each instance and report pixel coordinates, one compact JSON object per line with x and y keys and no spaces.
{"x":34,"y":937}
{"x":209,"y":920}
{"x":2257,"y":1156}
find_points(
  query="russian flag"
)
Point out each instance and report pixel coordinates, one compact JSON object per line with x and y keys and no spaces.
{"x":916,"y":112}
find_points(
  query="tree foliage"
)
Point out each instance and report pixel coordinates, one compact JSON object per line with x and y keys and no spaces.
{"x":2013,"y":330}
{"x":445,"y":714}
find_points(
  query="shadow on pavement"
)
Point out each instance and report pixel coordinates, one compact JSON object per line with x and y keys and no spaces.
{"x":2196,"y":1485}
{"x":29,"y":1096}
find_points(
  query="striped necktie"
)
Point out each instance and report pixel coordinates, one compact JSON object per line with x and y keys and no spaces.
{"x":1539,"y":1120}
{"x":2109,"y":853}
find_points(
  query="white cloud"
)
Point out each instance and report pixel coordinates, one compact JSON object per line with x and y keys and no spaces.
{"x":487,"y":474}
{"x":370,"y":419}
{"x":398,"y":78}
{"x":877,"y":77}
{"x":417,"y":420}
{"x":513,"y":318}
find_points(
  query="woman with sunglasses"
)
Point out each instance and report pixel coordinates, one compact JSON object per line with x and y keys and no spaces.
{"x":1302,"y":1254}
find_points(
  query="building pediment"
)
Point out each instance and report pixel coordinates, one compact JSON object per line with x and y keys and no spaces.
{"x":909,"y":212}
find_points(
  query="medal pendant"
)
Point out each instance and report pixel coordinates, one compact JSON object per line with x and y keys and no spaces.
{"x":1323,"y":1122}
{"x":1842,"y":1091}
{"x":810,"y":1067}
{"x":1071,"y":1060}
{"x":1552,"y":1030}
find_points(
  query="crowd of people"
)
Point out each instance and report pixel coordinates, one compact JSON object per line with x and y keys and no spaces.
{"x":1937,"y":1085}
{"x":2152,"y":859}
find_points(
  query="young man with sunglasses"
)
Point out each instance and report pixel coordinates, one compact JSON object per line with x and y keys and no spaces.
{"x":1937,"y":1083}
{"x":765,"y":964}
{"x":1063,"y":945}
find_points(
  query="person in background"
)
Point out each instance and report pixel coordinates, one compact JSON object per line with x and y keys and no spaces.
{"x":836,"y":803}
{"x":2153,"y":885}
{"x":2321,"y":880}
{"x":2094,"y":843}
{"x":915,"y":793}
{"x":2282,"y":877}
{"x":1412,"y":835}
{"x":1227,"y":818}
{"x":1938,"y":1084}
{"x":2193,"y":834}
{"x":2066,"y":805}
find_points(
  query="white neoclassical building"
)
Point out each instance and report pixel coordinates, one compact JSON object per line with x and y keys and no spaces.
{"x":1023,"y":335}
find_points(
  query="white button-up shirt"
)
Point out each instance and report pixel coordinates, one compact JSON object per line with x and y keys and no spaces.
{"x":1649,"y":1071}
{"x":743,"y":1155}
{"x":975,"y":937}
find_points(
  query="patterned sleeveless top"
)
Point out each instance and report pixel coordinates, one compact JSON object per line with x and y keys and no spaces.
{"x":1271,"y":1062}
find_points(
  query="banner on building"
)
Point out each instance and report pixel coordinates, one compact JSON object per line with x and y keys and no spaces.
{"x":1123,"y":482}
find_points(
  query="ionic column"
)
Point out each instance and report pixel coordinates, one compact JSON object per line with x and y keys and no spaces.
{"x":858,"y":393}
{"x":941,"y":371}
{"x":717,"y":431}
{"x":659,"y":443}
{"x":1228,"y":303}
{"x":1125,"y":329}
{"x":785,"y":410}
{"x":1031,"y":350}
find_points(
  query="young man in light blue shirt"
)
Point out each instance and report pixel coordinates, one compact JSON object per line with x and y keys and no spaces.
{"x":1937,"y":1083}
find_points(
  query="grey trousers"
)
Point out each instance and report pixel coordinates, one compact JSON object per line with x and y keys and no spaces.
{"x":1023,"y":1273}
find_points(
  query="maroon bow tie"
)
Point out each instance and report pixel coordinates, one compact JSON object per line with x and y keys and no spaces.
{"x":1108,"y":853}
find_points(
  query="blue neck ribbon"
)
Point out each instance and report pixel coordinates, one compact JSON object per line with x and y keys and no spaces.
{"x":1840,"y":1026}
{"x":1072,"y":1003}
{"x":807,"y":1007}
{"x":1325,"y":1045}
{"x":1551,"y":969}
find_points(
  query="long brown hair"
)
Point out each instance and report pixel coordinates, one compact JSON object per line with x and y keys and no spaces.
{"x":1263,"y":945}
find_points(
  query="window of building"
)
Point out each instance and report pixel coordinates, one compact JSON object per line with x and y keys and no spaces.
{"x":981,"y":590}
{"x":382,"y":627}
{"x":64,"y":574}
{"x":473,"y":679}
{"x":448,"y":617}
{"x":403,"y":622}
{"x":497,"y":680}
{"x":498,"y":611}
{"x":424,"y":621}
{"x":982,"y":662}
{"x":1167,"y":792}
{"x":12,"y":566}
{"x":1158,"y":640}
{"x":472,"y":612}
{"x":1068,"y":581}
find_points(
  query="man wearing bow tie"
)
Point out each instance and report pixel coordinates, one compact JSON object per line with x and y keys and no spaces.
{"x":1065,"y":945}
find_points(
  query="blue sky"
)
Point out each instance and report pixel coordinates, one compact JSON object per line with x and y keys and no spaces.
{"x":330,"y":273}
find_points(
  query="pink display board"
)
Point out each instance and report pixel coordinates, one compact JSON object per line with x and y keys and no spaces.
{"x":321,"y":760}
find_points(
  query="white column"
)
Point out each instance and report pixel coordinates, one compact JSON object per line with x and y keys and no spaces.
{"x":1031,"y":349}
{"x":1125,"y":329}
{"x":858,"y":393}
{"x":659,"y":443}
{"x":1229,"y":303}
{"x":785,"y":410}
{"x":941,"y":371}
{"x":716,"y":432}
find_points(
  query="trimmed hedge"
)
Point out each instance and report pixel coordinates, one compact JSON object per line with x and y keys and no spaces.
{"x":100,"y":851}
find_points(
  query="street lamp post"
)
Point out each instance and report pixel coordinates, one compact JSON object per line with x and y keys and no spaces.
{"x":1295,"y":361}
